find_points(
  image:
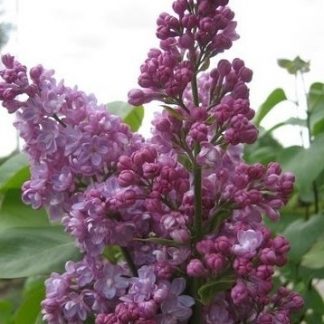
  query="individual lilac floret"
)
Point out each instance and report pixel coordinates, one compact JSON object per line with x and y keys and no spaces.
{"x":249,"y":241}
{"x":176,"y":308}
{"x":111,"y":282}
{"x":142,"y":287}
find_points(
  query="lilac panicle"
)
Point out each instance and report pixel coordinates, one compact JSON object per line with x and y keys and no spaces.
{"x":69,"y":138}
{"x":178,"y":211}
{"x":188,"y":40}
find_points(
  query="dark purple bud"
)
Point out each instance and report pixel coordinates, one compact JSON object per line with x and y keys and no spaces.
{"x":239,"y":293}
{"x":186,"y":41}
{"x":8,"y":60}
{"x":222,"y":2}
{"x":180,"y":6}
{"x":36,"y":72}
{"x":189,"y":21}
{"x":124,"y":163}
{"x":136,"y":97}
{"x":127,"y":178}
{"x":196,"y":269}
{"x":224,"y":67}
{"x":237,"y":64}
{"x":245,"y":74}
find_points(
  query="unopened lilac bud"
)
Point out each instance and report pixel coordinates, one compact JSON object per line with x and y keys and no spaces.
{"x":241,"y":91}
{"x":222,"y":2}
{"x":8,"y":60}
{"x":180,"y":235}
{"x":296,"y":302}
{"x":196,"y":269}
{"x":136,"y":97}
{"x":189,"y":21}
{"x":186,"y":41}
{"x":180,"y":6}
{"x":224,"y":67}
{"x":264,"y":272}
{"x":223,"y":244}
{"x":150,"y":170}
{"x":215,"y":262}
{"x":127,"y":178}
{"x":237,"y":64}
{"x":242,"y":266}
{"x":36,"y":72}
{"x":282,"y":318}
{"x":205,"y":246}
{"x":239,"y":293}
{"x":265,"y":319}
{"x":214,"y":73}
{"x":124,"y":163}
{"x":268,"y":256}
{"x":280,"y":244}
{"x":245,"y":74}
{"x":231,"y":80}
{"x":198,"y":132}
{"x":129,"y":196}
{"x":204,"y":8}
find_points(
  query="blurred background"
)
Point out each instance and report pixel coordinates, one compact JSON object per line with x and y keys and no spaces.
{"x":99,"y":45}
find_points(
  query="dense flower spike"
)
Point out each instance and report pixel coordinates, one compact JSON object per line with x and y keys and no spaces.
{"x":171,"y":228}
{"x":196,"y":33}
{"x":69,"y":138}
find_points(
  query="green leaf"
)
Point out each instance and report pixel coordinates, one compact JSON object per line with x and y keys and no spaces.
{"x":15,"y":214}
{"x":308,"y":273}
{"x":14,"y":172}
{"x":185,"y":161}
{"x":131,"y":115}
{"x":113,"y":253}
{"x":264,"y":150}
{"x":313,"y":301}
{"x":39,"y":319}
{"x":30,"y":307}
{"x":307,"y":164}
{"x":286,"y":218}
{"x":218,"y":218}
{"x":316,"y":97}
{"x":275,"y":97}
{"x":294,"y":66}
{"x":287,"y":155}
{"x":209,"y":290}
{"x":173,"y":112}
{"x":303,"y":234}
{"x":317,"y":121}
{"x":27,"y":251}
{"x":313,"y":259}
{"x":318,"y":127}
{"x":6,"y":311}
{"x":290,"y":121}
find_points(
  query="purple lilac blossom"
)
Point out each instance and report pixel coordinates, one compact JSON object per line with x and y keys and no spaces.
{"x":111,"y":188}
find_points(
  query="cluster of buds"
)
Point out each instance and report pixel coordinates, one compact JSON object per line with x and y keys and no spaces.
{"x":183,"y":210}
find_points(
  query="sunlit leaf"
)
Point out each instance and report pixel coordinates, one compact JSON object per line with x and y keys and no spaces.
{"x":295,"y":65}
{"x":275,"y":97}
{"x":131,"y":115}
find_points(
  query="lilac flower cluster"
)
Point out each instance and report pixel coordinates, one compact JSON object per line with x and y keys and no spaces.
{"x":188,"y":40}
{"x":181,"y":212}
